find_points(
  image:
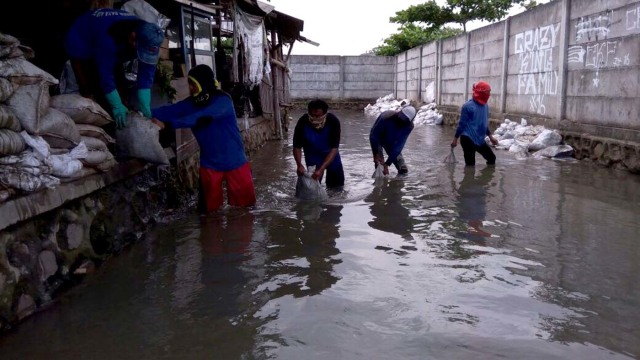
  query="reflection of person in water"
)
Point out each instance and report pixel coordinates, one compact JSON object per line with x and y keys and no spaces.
{"x":227,"y":236}
{"x":388,"y":212}
{"x":225,"y":241}
{"x":311,"y":236}
{"x":472,"y":204}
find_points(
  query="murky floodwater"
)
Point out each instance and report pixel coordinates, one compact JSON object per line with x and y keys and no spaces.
{"x":387,"y":272}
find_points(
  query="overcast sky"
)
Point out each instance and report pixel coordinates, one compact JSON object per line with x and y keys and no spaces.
{"x":346,"y":27}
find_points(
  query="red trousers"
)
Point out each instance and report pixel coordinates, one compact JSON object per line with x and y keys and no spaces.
{"x":240,"y":190}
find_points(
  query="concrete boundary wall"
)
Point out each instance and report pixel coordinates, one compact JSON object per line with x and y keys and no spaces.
{"x":340,"y":78}
{"x":570,"y":64}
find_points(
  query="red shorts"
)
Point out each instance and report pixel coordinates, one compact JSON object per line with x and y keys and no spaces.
{"x":240,"y":191}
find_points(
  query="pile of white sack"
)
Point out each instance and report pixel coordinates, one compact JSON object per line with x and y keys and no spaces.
{"x":426,"y":115}
{"x":522,"y":139}
{"x":44,"y":139}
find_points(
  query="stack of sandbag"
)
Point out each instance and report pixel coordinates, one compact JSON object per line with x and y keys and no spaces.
{"x":89,"y":118}
{"x":25,"y":114}
{"x":29,"y":99}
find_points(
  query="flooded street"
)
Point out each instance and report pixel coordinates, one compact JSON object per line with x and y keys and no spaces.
{"x":392,"y":271}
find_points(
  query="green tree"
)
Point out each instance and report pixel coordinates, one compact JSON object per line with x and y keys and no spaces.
{"x":432,"y":15}
{"x":410,"y":36}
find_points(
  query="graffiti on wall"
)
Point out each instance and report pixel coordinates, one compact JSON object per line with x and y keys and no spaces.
{"x":537,"y":76}
{"x":602,"y":51}
{"x":594,"y":27}
{"x":633,"y":19}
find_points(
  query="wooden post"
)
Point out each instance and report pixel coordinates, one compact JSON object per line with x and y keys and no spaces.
{"x":274,"y":80}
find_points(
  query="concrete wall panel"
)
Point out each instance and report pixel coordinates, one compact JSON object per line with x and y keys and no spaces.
{"x":315,"y":85}
{"x":610,"y":112}
{"x":549,"y":13}
{"x":342,"y":78}
{"x":315,"y":68}
{"x":582,"y":84}
{"x":313,"y":76}
{"x":369,"y":77}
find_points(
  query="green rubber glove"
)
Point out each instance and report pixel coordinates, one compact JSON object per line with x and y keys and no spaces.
{"x":144,"y":102}
{"x":118,"y":109}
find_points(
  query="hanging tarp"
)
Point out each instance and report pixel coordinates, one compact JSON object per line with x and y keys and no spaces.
{"x":251,"y":35}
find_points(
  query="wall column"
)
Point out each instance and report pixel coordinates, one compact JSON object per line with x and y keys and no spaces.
{"x":563,"y":47}
{"x":341,"y":80}
{"x":467,"y":56}
{"x":505,"y":65}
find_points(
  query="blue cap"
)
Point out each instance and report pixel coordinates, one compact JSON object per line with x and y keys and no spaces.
{"x":149,"y":37}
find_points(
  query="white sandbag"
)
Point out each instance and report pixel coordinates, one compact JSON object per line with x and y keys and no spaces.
{"x":81,"y":110}
{"x":68,"y":165}
{"x":96,"y":157}
{"x":8,"y":44}
{"x":20,"y":178}
{"x":27,"y":158}
{"x":146,"y":12}
{"x":11,"y":142}
{"x":6,"y":40}
{"x":450,"y":159}
{"x":140,"y":139}
{"x":545,"y":139}
{"x":5,"y":194}
{"x":22,"y":72}
{"x":309,"y":189}
{"x":29,"y":103}
{"x":40,"y":147}
{"x":378,"y":175}
{"x":556,"y":151}
{"x":94,"y":143}
{"x":6,"y":89}
{"x":59,"y":130}
{"x":8,"y":120}
{"x":107,"y":164}
{"x":95,"y":132}
{"x":378,"y":172}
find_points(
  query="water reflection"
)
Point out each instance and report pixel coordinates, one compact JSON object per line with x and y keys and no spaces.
{"x":388,"y":211}
{"x":472,"y":200}
{"x":303,"y":260}
{"x":226,"y":238}
{"x":301,"y":280}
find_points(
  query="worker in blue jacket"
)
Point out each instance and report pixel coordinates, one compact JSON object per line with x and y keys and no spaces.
{"x":317,"y":134}
{"x":390,"y":133}
{"x":473,"y":126}
{"x":211,"y":116}
{"x":99,"y":43}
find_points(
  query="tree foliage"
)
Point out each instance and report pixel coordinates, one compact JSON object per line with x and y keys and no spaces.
{"x":426,"y":22}
{"x":410,"y":36}
{"x":432,"y":15}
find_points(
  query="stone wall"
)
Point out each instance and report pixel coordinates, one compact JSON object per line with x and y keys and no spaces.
{"x":51,"y":240}
{"x":41,"y":257}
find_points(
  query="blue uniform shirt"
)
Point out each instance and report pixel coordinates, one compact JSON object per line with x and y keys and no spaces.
{"x":89,"y":39}
{"x":214,"y":126}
